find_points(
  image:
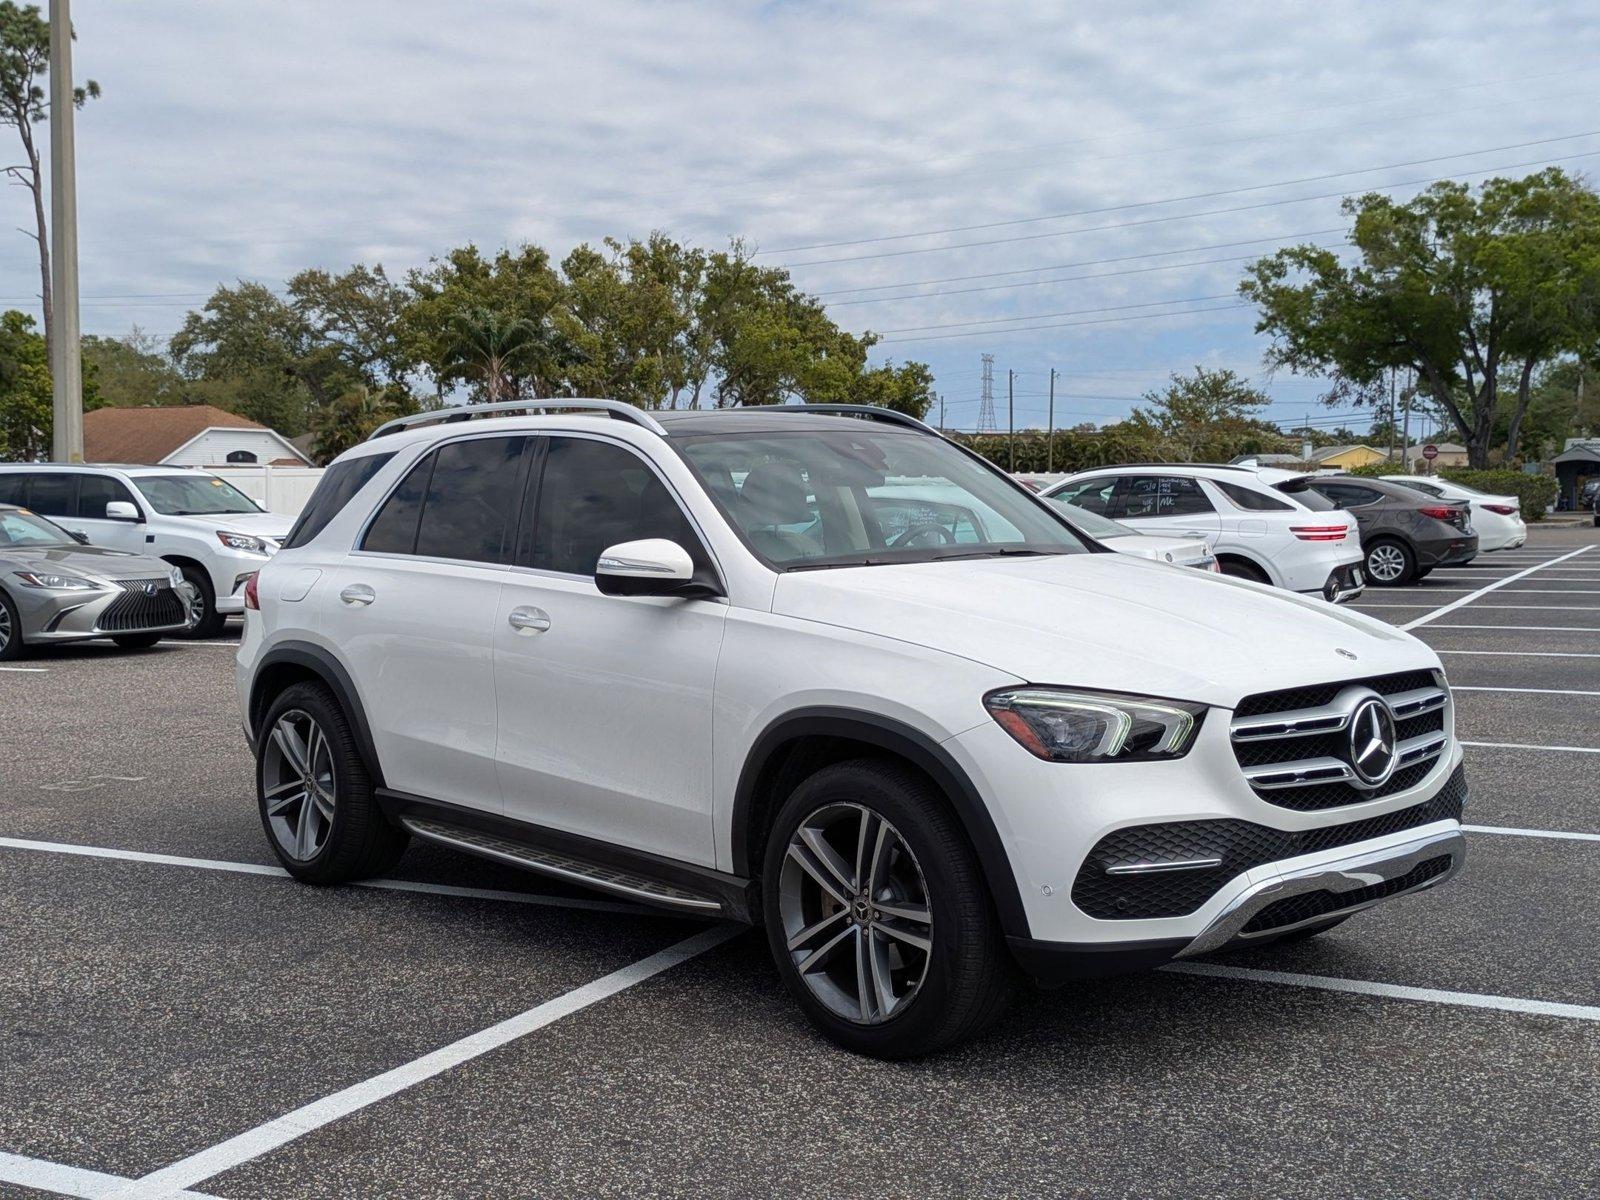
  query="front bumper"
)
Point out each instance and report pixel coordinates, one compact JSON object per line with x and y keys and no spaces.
{"x":126,"y":610}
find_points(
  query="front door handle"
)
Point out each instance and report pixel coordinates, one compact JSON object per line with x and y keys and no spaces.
{"x":358,"y":595}
{"x":529,"y":620}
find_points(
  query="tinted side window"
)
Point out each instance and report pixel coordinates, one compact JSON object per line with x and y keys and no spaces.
{"x":1310,"y":497}
{"x":54,"y":494}
{"x":394,"y":529}
{"x":1250,"y":499}
{"x":472,"y":500}
{"x":14,"y":488}
{"x":1163,"y":496}
{"x":1092,"y":494}
{"x":97,"y":491}
{"x":339,"y":483}
{"x":1349,"y":495}
{"x":595,"y":494}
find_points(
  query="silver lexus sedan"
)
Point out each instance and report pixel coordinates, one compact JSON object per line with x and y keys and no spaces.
{"x":54,"y":589}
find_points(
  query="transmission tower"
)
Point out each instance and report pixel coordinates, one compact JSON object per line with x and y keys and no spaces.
{"x":986,"y":417}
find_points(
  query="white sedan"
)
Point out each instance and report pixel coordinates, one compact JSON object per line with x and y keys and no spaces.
{"x":1497,"y":520}
{"x":1125,"y":539}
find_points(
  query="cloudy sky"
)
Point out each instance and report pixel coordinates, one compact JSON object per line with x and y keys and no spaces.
{"x":1061,"y":185}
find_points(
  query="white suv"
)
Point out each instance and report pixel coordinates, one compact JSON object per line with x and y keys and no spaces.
{"x":727,"y":663}
{"x":215,"y":534}
{"x":1264,"y":524}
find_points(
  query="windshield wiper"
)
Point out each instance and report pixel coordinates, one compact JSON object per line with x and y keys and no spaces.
{"x":995,"y":552}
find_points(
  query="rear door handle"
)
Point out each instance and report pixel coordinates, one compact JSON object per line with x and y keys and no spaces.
{"x":529,"y":620}
{"x":358,"y":595}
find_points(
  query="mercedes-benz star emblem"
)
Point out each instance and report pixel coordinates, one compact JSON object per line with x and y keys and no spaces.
{"x":1372,"y":741}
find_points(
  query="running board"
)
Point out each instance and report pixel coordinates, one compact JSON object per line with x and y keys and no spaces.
{"x":562,"y":866}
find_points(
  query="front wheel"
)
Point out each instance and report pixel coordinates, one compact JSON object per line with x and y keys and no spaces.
{"x":315,"y":795}
{"x":1390,"y":563}
{"x":10,"y":630}
{"x":878,"y":914}
{"x":204,"y":619}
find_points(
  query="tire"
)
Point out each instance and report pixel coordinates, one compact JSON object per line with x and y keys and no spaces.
{"x":1424,"y":572}
{"x":1396,"y":564}
{"x":11,"y":646}
{"x":210,"y":622}
{"x":348,"y":837}
{"x":137,"y":641}
{"x":937,"y":996}
{"x":1243,"y":570}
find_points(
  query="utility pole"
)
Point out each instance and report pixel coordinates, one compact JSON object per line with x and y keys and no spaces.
{"x":1011,"y":417}
{"x":1050,"y":436}
{"x":1405,"y":437}
{"x":1393,"y":373}
{"x":66,"y":366}
{"x":941,"y":412}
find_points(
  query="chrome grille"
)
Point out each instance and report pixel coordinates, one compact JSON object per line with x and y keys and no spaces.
{"x":144,"y":604}
{"x":1294,"y":745}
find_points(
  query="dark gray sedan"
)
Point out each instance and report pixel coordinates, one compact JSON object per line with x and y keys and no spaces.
{"x":55,"y":589}
{"x":1405,"y":535}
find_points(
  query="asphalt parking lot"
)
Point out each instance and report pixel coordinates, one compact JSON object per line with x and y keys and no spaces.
{"x":179,"y":1019}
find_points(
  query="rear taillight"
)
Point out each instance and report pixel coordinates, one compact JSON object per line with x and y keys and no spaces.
{"x":252,"y":598}
{"x":1505,"y":510}
{"x":1319,"y":533}
{"x":1440,"y":512}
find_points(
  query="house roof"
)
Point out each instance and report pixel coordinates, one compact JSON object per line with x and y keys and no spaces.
{"x":149,"y":435}
{"x":1327,"y":452}
{"x":1584,"y":452}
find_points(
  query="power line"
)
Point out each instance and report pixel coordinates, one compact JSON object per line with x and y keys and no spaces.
{"x":941,"y":337}
{"x":1209,"y":212}
{"x":1071,"y":312}
{"x":1255,"y":187}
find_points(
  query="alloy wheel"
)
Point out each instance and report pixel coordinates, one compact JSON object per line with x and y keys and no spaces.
{"x":5,"y":627}
{"x":195,"y":606}
{"x":855,"y":913}
{"x":298,"y":784}
{"x":1386,"y":563}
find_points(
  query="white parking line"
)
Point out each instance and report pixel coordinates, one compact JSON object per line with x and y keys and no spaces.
{"x":27,"y":670}
{"x":387,"y":885}
{"x":1510,"y":607}
{"x":68,"y":1181}
{"x":1518,"y":653}
{"x":1529,"y":628}
{"x":1392,"y":991}
{"x":1558,"y":835}
{"x":1529,"y":691}
{"x":275,"y":1133}
{"x":1529,"y":746}
{"x":1485,"y":590}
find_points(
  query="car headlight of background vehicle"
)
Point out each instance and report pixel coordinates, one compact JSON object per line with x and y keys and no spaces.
{"x":241,"y":541}
{"x":52,"y":581}
{"x":1061,"y":725}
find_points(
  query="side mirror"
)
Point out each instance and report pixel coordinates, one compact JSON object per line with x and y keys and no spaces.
{"x":122,"y":510}
{"x":79,"y":536}
{"x":651,"y":567}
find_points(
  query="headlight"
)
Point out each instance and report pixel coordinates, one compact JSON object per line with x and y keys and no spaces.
{"x":241,"y":541}
{"x":1083,"y":727}
{"x":58,"y":583}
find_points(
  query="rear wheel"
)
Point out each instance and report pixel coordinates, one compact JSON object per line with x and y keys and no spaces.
{"x":137,"y":641}
{"x":1240,"y":569}
{"x":207,"y":622}
{"x":1390,"y":563}
{"x":878,"y":914}
{"x":315,"y":795}
{"x":10,"y":630}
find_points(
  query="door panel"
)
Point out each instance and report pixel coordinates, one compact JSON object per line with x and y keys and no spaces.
{"x":94,"y":493}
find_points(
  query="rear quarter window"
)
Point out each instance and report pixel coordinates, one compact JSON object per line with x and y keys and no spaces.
{"x":336,"y":488}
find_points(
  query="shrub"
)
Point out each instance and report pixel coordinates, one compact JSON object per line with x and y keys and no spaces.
{"x":1534,"y":493}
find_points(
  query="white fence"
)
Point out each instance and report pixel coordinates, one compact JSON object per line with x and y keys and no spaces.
{"x":282,"y":490}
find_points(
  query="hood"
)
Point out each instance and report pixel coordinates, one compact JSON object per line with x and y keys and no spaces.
{"x":264,"y":524}
{"x":1107,"y":621}
{"x":95,"y":561}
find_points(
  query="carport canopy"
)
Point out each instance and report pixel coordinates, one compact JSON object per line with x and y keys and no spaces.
{"x":1573,"y":465}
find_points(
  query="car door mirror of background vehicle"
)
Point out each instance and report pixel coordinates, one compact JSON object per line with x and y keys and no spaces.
{"x":122,"y":510}
{"x":650,"y":567}
{"x":79,"y":536}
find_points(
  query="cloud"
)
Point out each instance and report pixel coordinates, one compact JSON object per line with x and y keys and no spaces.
{"x":249,"y":140}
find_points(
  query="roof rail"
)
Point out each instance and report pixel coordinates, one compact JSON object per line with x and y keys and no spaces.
{"x":1174,"y":466}
{"x":465,"y":412}
{"x":871,"y":412}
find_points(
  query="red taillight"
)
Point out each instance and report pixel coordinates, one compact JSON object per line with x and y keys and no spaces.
{"x":1319,"y":533}
{"x":252,"y":598}
{"x":1505,"y":510}
{"x":1440,"y":512}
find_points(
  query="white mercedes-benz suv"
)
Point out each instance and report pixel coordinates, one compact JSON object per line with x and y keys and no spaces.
{"x":821,"y":670}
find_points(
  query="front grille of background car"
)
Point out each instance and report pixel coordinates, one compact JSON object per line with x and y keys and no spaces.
{"x":1292,"y":910}
{"x":1315,"y":794}
{"x":1240,"y":845}
{"x":134,"y":610}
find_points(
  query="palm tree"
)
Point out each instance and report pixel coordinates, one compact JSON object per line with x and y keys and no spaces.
{"x":505,"y":355}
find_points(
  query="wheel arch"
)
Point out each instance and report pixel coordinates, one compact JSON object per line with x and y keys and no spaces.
{"x":1251,"y":561}
{"x":802,"y":742}
{"x":290,"y":663}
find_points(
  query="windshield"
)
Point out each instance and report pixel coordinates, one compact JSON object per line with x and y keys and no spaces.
{"x":193,"y":496}
{"x":1092,"y":523}
{"x":854,"y":498}
{"x":18,"y":527}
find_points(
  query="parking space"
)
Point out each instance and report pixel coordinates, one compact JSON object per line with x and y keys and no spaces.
{"x":179,"y":1018}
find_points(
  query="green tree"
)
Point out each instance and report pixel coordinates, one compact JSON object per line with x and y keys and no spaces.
{"x":505,"y":357}
{"x":1210,"y":415}
{"x":24,"y":64}
{"x":25,"y":394}
{"x":1464,"y":289}
{"x":132,"y":370}
{"x":350,"y":419}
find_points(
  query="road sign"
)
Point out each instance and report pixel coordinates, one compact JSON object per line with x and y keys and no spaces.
{"x":1430,"y":452}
